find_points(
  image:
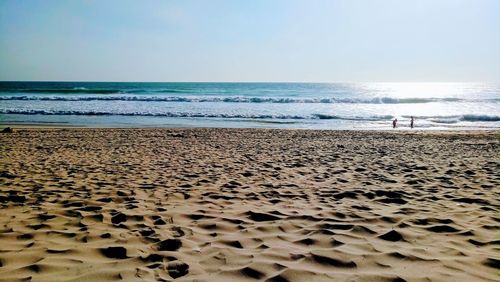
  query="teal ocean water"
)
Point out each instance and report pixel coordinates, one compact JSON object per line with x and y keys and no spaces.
{"x":248,"y":105}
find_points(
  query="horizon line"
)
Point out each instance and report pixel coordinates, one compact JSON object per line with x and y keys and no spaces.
{"x":292,"y":82}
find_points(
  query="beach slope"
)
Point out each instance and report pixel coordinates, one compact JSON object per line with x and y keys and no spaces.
{"x":249,"y":205}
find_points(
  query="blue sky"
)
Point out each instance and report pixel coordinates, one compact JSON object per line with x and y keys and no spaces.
{"x":258,"y":40}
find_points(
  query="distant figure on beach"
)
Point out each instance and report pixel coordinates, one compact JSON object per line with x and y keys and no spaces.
{"x":394,"y":123}
{"x":411,"y":122}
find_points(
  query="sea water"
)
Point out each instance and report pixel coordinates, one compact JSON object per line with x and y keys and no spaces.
{"x":248,"y":105}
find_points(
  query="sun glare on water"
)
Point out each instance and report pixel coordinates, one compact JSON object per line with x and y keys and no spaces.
{"x":420,"y":90}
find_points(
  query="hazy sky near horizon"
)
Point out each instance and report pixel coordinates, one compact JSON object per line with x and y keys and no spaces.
{"x":260,"y":40}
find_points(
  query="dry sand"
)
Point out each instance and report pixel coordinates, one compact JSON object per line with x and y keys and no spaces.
{"x":249,"y":205}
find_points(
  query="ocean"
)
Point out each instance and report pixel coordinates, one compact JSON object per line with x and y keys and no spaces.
{"x":252,"y":105}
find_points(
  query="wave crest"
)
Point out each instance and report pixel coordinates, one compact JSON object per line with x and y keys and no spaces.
{"x":434,"y":119}
{"x":229,"y":99}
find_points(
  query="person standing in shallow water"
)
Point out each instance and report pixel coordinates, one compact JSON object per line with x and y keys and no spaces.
{"x":411,"y":122}
{"x":394,"y":123}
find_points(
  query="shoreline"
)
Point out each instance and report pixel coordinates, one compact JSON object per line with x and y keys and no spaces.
{"x":248,"y":204}
{"x":380,"y":129}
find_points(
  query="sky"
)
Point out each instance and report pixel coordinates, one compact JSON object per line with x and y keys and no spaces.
{"x":258,"y":40}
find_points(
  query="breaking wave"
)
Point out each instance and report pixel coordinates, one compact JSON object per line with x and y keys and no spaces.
{"x":434,"y":119}
{"x":193,"y":115}
{"x":459,"y":118}
{"x":229,"y":99}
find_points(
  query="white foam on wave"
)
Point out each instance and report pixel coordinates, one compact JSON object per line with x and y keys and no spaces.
{"x":237,"y":99}
{"x":433,"y":119}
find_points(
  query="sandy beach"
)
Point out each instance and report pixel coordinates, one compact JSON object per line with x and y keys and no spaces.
{"x":249,"y":205}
